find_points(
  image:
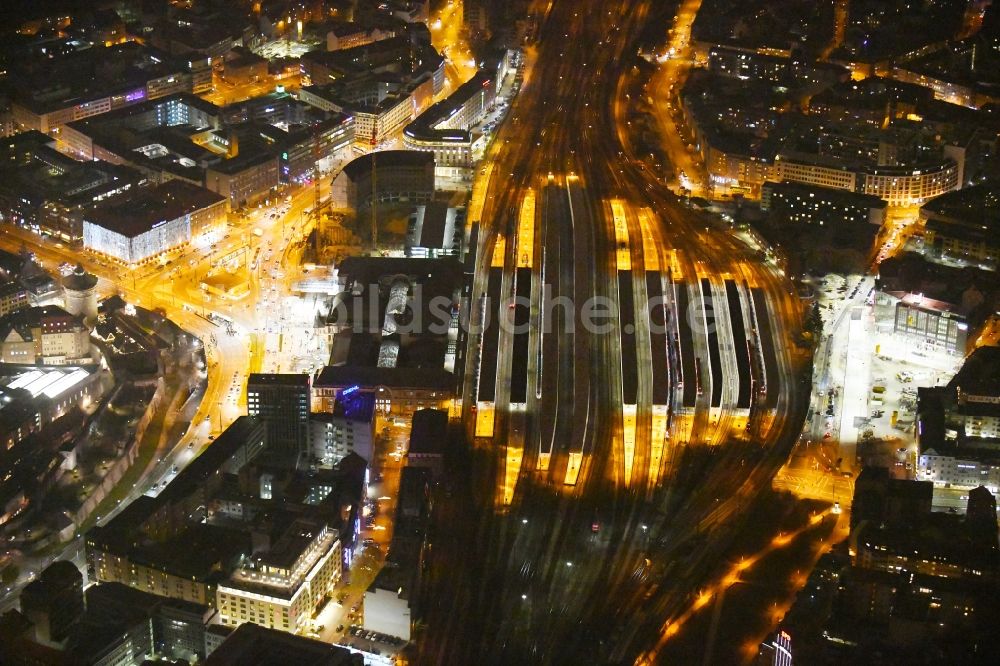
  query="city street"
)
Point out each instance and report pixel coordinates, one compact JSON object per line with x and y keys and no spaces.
{"x":232,"y":352}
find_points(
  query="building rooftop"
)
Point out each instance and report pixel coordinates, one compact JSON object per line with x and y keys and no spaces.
{"x":962,"y":289}
{"x":251,"y":643}
{"x":972,"y":213}
{"x":50,"y":84}
{"x":973,"y":62}
{"x":939,"y":537}
{"x":358,"y":406}
{"x":979,"y":374}
{"x":147,"y":208}
{"x":278,"y":379}
{"x":120,"y":530}
{"x":829,"y":194}
{"x":201,"y":552}
{"x":38,"y":173}
{"x":293,"y":543}
{"x":79,"y":280}
{"x":33,"y":318}
{"x":391,"y":378}
{"x":388,"y":159}
{"x":425,"y":126}
{"x":429,"y":432}
{"x":435,"y":226}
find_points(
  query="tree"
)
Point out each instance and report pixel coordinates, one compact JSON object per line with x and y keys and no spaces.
{"x":814,"y":322}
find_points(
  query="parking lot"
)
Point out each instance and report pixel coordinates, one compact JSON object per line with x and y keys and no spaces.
{"x":865,"y":391}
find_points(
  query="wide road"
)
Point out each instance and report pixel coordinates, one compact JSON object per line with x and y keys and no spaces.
{"x":594,"y":572}
{"x":173,"y":289}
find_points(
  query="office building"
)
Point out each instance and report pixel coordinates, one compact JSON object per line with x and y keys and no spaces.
{"x":879,"y":498}
{"x":932,"y":306}
{"x":808,"y":204}
{"x":47,"y":192}
{"x":897,"y":185}
{"x":350,"y":428}
{"x":299,"y":133}
{"x":261,"y":646}
{"x":389,"y":606}
{"x":428,"y":439}
{"x":936,"y":324}
{"x":152,"y":221}
{"x":183,"y":137}
{"x":958,"y":426}
{"x":964,"y":225}
{"x":93,"y":81}
{"x":282,"y":586}
{"x":382,"y":85}
{"x":445,"y":129}
{"x":894,"y":530}
{"x":115,"y":625}
{"x":244,"y":179}
{"x":282,"y":401}
{"x":154,"y":137}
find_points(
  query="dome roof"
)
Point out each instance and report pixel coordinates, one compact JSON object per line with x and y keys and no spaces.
{"x":79,"y":280}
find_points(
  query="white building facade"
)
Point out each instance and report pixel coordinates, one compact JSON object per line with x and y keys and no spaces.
{"x":950,"y":472}
{"x":132,"y":249}
{"x":283,"y":595}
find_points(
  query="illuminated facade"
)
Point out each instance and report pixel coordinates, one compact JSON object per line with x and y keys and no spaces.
{"x":132,"y":248}
{"x":951,"y":472}
{"x":146,"y":74}
{"x":282,"y":587}
{"x":444,"y":128}
{"x":898,"y":185}
{"x":809,"y":204}
{"x":931,"y":323}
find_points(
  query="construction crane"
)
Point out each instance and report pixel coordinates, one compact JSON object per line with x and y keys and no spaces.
{"x":374,"y":189}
